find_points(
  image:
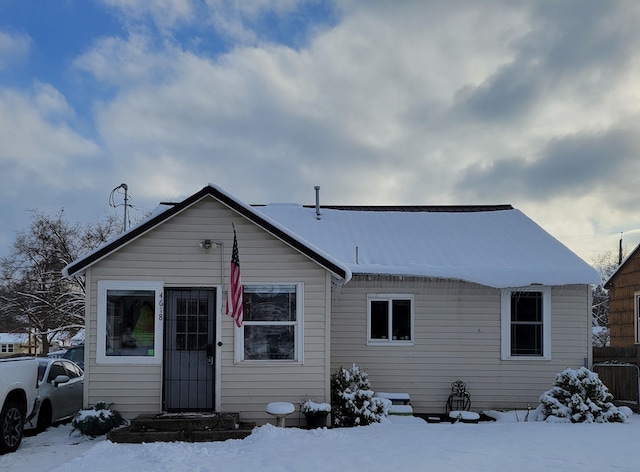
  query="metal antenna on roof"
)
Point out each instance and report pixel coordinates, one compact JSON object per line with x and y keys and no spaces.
{"x":126,"y":203}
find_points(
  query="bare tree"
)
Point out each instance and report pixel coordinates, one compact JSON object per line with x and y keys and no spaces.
{"x":606,"y":264}
{"x":600,"y":318}
{"x":34,"y":292}
{"x":8,"y":322}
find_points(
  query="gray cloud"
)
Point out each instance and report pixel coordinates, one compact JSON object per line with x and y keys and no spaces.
{"x":531,"y":103}
{"x":508,"y":95}
{"x":582,"y":36}
{"x":571,"y":49}
{"x":569,"y":166}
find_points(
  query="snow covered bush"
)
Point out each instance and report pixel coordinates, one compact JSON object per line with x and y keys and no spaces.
{"x":98,"y":420}
{"x":579,"y":396}
{"x":353,"y":403}
{"x":310,"y":406}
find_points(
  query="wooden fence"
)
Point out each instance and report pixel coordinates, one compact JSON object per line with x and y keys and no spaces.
{"x":627,"y":355}
{"x":618,"y":368}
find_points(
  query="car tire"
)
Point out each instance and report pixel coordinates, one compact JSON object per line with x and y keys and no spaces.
{"x":11,"y":426}
{"x":44,"y":417}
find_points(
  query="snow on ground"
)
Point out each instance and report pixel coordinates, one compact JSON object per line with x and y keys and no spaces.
{"x":405,"y":444}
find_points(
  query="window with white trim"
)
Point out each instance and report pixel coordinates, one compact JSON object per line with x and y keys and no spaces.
{"x":6,"y":348}
{"x":526,"y":323}
{"x":637,"y":315}
{"x":129,"y":322}
{"x":272,"y":323}
{"x":389,"y":319}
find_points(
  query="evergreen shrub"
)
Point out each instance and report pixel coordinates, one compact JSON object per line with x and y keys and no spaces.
{"x":98,"y":420}
{"x":579,"y":396}
{"x":353,"y":401}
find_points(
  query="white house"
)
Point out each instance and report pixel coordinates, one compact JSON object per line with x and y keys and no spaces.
{"x":18,"y":343}
{"x":419,"y":296}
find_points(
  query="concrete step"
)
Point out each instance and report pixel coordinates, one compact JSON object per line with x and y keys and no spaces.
{"x":207,"y":421}
{"x":125,"y":435}
{"x":189,"y":427}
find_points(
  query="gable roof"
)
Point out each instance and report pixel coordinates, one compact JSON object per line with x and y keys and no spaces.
{"x":632,"y":255}
{"x":334,"y":266}
{"x":497,"y":246}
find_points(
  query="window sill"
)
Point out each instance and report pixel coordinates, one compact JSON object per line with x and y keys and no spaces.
{"x":128,"y":360}
{"x":269,"y":362}
{"x":526,"y":358}
{"x":375,"y":342}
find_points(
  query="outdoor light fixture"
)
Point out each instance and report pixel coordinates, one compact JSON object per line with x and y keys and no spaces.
{"x":207,"y":244}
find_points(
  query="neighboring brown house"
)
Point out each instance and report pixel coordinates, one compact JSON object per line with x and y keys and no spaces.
{"x":624,"y":300}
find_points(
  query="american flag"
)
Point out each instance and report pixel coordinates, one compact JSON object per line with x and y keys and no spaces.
{"x":234,"y":299}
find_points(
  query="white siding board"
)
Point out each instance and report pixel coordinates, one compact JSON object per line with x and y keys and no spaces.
{"x":170,"y":253}
{"x":457,"y":326}
{"x":457,"y":336}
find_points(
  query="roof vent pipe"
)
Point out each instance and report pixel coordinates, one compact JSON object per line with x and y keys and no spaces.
{"x":317,"y":189}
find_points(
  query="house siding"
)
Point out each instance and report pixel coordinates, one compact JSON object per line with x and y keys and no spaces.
{"x":457,"y":335}
{"x":170,"y":253}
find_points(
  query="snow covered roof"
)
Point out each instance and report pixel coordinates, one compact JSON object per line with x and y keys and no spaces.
{"x":497,"y":246}
{"x":166,"y":211}
{"x":13,"y":338}
{"x":609,"y":283}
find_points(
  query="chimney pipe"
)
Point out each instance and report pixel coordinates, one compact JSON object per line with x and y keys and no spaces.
{"x":620,"y":250}
{"x":317,"y":189}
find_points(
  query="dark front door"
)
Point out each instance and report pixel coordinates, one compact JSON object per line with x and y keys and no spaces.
{"x":189,"y":363}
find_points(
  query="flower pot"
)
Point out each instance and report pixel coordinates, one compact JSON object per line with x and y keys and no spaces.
{"x":316,"y":419}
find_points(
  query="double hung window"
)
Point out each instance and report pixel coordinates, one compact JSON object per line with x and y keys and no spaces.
{"x":272,"y":323}
{"x":636,"y":300}
{"x":526,"y":323}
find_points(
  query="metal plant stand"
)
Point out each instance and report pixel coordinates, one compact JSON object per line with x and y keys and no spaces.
{"x":459,"y":399}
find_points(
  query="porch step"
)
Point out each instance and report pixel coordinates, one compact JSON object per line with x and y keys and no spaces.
{"x":188,"y":427}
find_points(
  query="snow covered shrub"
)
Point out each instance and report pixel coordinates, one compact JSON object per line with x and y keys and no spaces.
{"x":310,"y":406}
{"x":579,"y":396}
{"x":98,"y":420}
{"x":353,"y":403}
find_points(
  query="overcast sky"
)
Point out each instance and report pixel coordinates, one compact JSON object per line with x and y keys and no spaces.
{"x":532,"y":103}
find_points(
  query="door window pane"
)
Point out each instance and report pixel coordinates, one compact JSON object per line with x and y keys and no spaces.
{"x":192,"y":323}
